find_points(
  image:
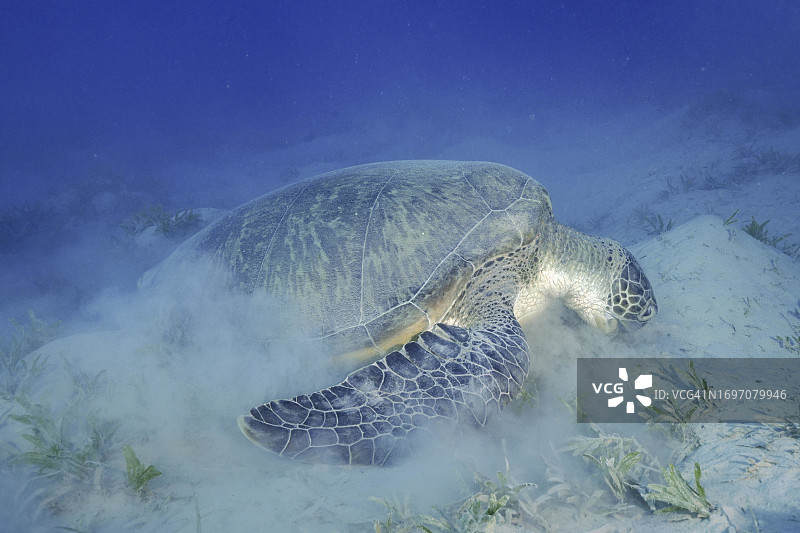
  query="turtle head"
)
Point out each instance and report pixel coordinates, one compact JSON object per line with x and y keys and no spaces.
{"x":599,"y":279}
{"x":630,"y":302}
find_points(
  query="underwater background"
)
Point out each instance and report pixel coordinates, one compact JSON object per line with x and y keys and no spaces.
{"x":673,"y":127}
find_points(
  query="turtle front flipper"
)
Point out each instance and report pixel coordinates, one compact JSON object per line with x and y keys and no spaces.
{"x":449,"y":374}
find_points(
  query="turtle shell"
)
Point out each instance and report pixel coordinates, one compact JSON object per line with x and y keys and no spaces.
{"x":370,"y":256}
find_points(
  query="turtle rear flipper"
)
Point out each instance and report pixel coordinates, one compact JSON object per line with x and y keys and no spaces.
{"x":449,"y":374}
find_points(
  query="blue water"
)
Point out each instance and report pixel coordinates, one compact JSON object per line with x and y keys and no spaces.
{"x":631,"y":113}
{"x":138,"y":87}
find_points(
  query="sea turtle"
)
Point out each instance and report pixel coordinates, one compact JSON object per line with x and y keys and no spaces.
{"x":421,"y":270}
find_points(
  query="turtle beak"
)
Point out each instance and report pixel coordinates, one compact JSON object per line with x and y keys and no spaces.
{"x":641,"y":319}
{"x":648,"y":313}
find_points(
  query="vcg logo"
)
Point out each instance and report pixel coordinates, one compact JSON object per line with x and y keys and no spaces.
{"x":644,"y":381}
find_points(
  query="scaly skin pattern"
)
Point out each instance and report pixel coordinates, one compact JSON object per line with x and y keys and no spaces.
{"x":455,"y":375}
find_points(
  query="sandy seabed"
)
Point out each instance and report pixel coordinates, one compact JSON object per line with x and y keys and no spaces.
{"x":167,"y":373}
